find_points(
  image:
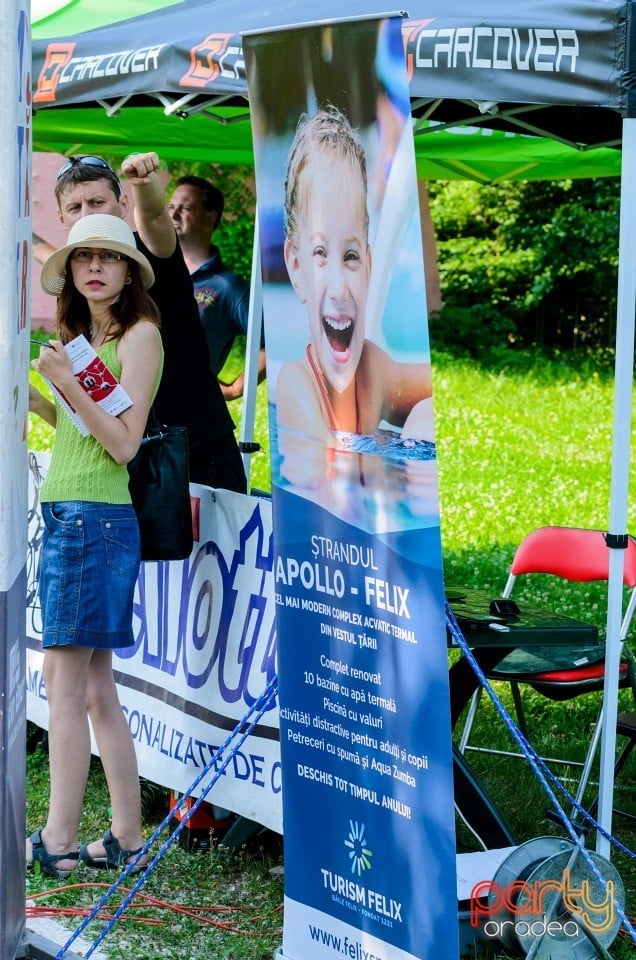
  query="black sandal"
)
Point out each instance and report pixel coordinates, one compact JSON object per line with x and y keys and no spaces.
{"x":48,"y":860}
{"x":114,"y":857}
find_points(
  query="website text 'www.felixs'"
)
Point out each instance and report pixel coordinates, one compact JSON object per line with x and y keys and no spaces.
{"x":342,"y":946}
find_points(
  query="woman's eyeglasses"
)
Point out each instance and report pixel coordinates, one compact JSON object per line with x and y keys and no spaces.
{"x":104,"y":256}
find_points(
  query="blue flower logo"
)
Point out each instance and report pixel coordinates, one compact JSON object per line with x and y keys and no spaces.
{"x":359,"y":853}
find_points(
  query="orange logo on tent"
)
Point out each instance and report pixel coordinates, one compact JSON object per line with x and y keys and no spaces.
{"x":410,"y":33}
{"x":57,"y":57}
{"x":204,"y":60}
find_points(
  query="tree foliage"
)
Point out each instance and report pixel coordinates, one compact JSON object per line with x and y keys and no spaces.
{"x":526,"y":263}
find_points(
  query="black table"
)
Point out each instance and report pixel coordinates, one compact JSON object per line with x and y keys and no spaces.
{"x":491,"y":638}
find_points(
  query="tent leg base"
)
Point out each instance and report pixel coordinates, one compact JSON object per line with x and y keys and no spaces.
{"x":35,"y":947}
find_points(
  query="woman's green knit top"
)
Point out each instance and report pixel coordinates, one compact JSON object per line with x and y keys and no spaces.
{"x":80,"y":467}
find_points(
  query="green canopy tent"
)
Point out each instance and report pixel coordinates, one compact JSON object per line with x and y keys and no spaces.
{"x":218,"y":131}
{"x":457,"y":153}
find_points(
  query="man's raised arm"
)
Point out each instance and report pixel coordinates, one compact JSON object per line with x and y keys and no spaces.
{"x":41,"y":249}
{"x":151,"y":215}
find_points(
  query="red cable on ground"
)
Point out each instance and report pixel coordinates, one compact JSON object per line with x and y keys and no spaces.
{"x":195,"y":912}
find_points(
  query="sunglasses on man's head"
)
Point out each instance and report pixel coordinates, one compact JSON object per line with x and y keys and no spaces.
{"x":87,"y":161}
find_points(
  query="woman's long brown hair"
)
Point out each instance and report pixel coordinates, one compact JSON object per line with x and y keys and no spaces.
{"x":134,"y":304}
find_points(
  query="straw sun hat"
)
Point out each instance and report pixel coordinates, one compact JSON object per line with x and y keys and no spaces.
{"x":100,"y":231}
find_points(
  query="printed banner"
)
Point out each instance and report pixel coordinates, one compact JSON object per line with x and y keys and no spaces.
{"x":365,"y":726}
{"x":570,"y":52}
{"x":15,"y":284}
{"x":205,"y":649}
{"x":15,"y":234}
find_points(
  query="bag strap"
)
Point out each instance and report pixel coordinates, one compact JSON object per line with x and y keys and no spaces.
{"x":153,"y":430}
{"x":153,"y":424}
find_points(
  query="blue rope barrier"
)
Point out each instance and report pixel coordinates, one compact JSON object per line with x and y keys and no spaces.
{"x":540,"y":770}
{"x":253,"y":715}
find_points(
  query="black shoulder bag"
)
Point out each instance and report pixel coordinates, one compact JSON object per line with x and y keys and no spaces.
{"x":160,"y":492}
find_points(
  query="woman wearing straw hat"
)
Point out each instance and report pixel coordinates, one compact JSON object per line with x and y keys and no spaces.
{"x":90,"y":552}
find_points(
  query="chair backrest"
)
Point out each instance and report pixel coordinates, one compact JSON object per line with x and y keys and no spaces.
{"x":573,"y":553}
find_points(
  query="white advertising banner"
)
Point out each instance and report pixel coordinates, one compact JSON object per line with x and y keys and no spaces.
{"x":205,"y":649}
{"x":15,"y":234}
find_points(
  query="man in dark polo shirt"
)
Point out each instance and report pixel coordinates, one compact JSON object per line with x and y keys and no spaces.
{"x":196,"y":208}
{"x":189,"y":395}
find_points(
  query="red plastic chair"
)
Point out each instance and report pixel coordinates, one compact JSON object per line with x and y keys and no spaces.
{"x":573,"y":554}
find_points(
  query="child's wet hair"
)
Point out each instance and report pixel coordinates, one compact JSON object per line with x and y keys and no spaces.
{"x":326,"y":133}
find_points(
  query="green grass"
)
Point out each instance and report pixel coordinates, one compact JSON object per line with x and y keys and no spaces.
{"x":519,"y":445}
{"x":233,"y":902}
{"x":519,"y":448}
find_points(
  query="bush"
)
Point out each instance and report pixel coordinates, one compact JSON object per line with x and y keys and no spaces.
{"x":526,"y":263}
{"x":469,"y":269}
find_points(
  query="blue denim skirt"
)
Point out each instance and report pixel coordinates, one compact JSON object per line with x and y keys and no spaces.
{"x":88,"y":571}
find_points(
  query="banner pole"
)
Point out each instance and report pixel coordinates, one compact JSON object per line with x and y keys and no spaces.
{"x":252,"y":347}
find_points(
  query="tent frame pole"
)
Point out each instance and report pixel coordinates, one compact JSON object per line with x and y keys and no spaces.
{"x":619,"y":485}
{"x":252,"y":349}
